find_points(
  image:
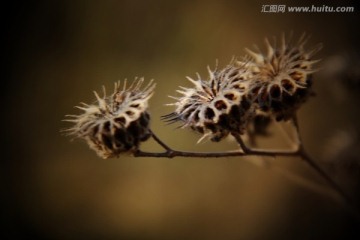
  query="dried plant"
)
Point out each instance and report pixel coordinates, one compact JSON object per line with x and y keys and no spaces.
{"x":117,"y":123}
{"x":218,"y":106}
{"x":240,"y":99}
{"x":282,"y":78}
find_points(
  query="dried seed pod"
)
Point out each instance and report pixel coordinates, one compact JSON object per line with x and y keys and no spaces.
{"x":282,"y":78}
{"x":215,"y":107}
{"x":116,"y":123}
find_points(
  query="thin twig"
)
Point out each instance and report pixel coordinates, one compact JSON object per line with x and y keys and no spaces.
{"x":312,"y":163}
{"x":170,"y":153}
{"x":300,"y":180}
{"x":324,"y":175}
{"x":247,"y":151}
{"x":160,"y":142}
{"x":241,"y":142}
{"x":304,"y":182}
{"x":176,"y":153}
{"x":262,"y":152}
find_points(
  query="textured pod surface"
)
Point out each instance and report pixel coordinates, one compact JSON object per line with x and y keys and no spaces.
{"x":115,"y":123}
{"x":282,"y":78}
{"x":217,"y":106}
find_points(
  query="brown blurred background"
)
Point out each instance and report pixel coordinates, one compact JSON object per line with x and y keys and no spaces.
{"x":58,"y":52}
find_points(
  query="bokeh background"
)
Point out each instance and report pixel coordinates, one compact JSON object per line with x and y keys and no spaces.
{"x":58,"y":52}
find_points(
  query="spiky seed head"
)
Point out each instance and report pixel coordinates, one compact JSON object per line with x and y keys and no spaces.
{"x":217,"y":106}
{"x":282,"y":76}
{"x":116,"y":123}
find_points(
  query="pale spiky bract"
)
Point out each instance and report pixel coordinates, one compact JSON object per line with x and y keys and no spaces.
{"x":217,"y":106}
{"x":281,"y":78}
{"x":115,"y":123}
{"x":274,"y":84}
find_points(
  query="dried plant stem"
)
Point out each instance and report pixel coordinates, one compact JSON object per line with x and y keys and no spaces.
{"x":304,"y":182}
{"x":324,"y":175}
{"x":175,"y":153}
{"x":247,"y":151}
{"x":302,"y":153}
{"x":170,"y":153}
{"x":161,"y":143}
